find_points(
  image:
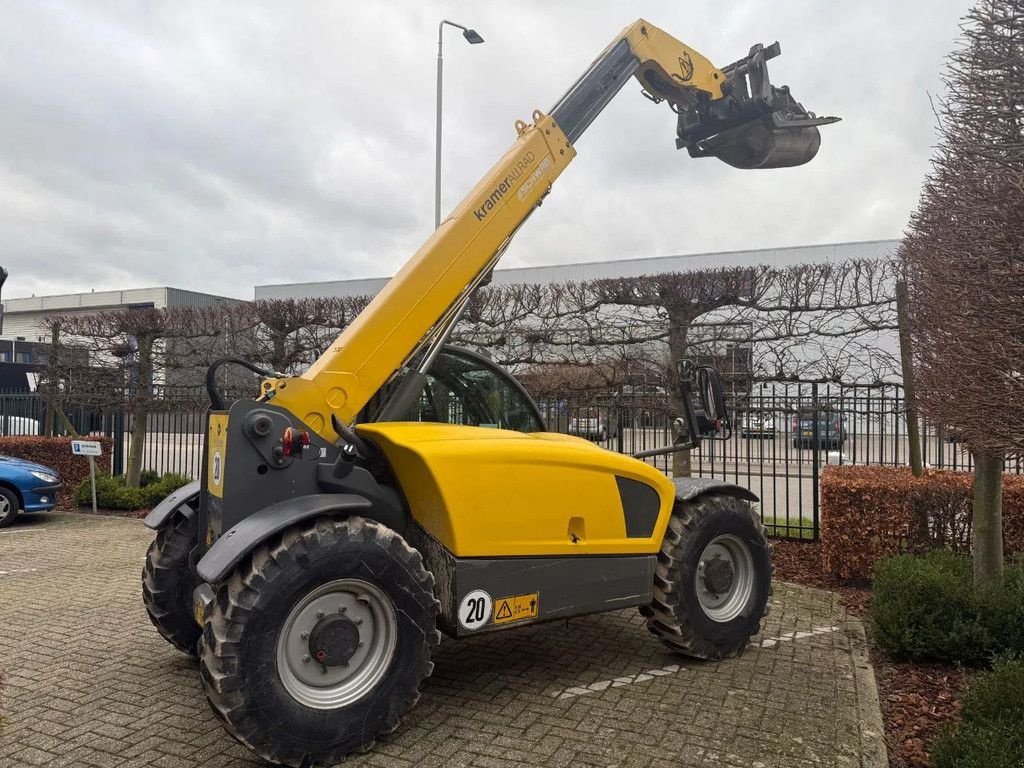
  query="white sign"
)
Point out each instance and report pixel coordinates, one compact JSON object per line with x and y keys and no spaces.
{"x":475,"y":609}
{"x":86,"y":448}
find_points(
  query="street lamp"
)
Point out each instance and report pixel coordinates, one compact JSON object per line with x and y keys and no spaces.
{"x":473,"y":37}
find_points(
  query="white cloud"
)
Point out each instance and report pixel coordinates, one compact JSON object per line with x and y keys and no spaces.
{"x":216,"y":146}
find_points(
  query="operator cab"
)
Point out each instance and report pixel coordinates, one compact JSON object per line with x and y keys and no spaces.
{"x":466,"y":388}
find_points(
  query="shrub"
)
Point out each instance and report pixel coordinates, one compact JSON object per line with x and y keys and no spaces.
{"x":112,"y":493}
{"x":868,"y":513}
{"x":155,"y":492}
{"x":991,"y":732}
{"x":927,"y":608}
{"x":55,"y":452}
{"x":148,"y":477}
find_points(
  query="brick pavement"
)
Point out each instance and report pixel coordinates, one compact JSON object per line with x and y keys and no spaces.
{"x":87,"y":681}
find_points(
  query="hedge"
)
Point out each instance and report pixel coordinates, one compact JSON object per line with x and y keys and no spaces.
{"x":55,"y":452}
{"x":991,"y":730}
{"x":927,"y":608}
{"x":113,"y":493}
{"x":868,"y":513}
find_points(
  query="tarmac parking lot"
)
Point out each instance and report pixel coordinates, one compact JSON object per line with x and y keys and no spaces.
{"x":85,"y":680}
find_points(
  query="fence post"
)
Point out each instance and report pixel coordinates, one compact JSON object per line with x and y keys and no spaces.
{"x":815,"y":461}
{"x":117,"y":463}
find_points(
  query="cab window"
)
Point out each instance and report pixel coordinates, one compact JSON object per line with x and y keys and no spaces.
{"x":463,"y":388}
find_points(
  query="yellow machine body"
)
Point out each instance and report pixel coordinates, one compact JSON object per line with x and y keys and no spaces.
{"x":485,"y":492}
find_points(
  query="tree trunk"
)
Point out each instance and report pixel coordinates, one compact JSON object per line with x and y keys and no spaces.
{"x":909,"y":384}
{"x":988,"y":516}
{"x":140,"y":409}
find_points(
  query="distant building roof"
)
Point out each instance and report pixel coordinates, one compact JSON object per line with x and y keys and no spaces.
{"x":592,"y":270}
{"x":98,"y":300}
{"x":25,"y":317}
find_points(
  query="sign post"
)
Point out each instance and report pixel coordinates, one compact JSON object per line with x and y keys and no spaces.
{"x":90,"y":449}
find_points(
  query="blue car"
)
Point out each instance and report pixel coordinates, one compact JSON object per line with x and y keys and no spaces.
{"x":25,"y":486}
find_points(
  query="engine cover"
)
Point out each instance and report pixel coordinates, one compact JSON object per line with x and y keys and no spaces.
{"x":497,"y":493}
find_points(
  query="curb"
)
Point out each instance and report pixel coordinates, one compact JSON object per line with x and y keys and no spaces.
{"x":869,"y":711}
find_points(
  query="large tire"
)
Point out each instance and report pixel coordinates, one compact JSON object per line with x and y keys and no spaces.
{"x":168,"y":581}
{"x":705,"y":608}
{"x":258,"y":672}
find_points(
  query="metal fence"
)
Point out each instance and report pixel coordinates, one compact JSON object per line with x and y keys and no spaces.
{"x":782,"y":436}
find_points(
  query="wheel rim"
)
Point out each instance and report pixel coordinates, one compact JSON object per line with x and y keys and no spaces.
{"x":5,"y":507}
{"x":358,"y":612}
{"x":725,"y":578}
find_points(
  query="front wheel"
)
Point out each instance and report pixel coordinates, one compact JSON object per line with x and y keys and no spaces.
{"x":712,"y":579}
{"x":318,"y":642}
{"x":9,"y":505}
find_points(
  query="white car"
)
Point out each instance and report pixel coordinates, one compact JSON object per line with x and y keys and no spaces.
{"x":11,"y":426}
{"x":591,"y":424}
{"x":757,"y":425}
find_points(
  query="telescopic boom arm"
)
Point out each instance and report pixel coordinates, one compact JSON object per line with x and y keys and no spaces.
{"x":733,"y":113}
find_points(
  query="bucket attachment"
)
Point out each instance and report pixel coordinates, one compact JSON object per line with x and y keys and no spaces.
{"x":755,"y":124}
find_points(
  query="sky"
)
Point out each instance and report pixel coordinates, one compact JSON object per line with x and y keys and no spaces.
{"x":219,"y":146}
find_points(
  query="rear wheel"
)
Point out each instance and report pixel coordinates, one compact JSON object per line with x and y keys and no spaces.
{"x":317,"y":644}
{"x":168,"y":581}
{"x":712,"y":578}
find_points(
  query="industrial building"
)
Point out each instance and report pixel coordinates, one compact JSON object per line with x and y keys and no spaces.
{"x":25,"y":339}
{"x":25,"y":318}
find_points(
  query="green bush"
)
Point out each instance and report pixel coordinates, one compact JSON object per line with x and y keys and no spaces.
{"x":112,"y":493}
{"x":991,"y":732}
{"x":155,"y":492}
{"x":148,"y":477}
{"x":928,"y":609}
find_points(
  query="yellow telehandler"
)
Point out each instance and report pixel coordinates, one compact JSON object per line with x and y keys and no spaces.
{"x":332,"y":533}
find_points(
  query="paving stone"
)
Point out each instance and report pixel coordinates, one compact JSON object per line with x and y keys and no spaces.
{"x":85,"y":680}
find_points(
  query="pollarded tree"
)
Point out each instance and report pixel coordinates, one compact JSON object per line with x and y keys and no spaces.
{"x":964,"y":258}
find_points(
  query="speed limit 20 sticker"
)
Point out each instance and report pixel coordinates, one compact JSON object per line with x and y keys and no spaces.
{"x":475,"y":609}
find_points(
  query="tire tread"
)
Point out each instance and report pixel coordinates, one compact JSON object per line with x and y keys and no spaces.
{"x":664,"y":619}
{"x":219,"y":654}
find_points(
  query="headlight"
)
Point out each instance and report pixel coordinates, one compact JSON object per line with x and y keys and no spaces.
{"x":45,"y":477}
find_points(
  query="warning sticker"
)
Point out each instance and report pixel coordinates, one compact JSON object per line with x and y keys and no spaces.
{"x":516,"y":608}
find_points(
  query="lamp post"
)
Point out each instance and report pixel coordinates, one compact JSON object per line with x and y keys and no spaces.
{"x":473,"y":37}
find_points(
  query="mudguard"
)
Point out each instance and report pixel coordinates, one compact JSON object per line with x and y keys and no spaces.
{"x":688,"y":488}
{"x":179,"y":499}
{"x":239,"y":541}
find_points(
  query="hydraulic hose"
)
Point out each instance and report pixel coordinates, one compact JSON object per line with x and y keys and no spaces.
{"x":216,"y":402}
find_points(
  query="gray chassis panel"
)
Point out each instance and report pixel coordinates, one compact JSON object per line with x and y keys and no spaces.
{"x":159,"y":514}
{"x":688,"y":488}
{"x":568,"y":586}
{"x":236,"y":543}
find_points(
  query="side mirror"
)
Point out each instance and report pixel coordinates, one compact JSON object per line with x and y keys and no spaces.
{"x":703,"y":397}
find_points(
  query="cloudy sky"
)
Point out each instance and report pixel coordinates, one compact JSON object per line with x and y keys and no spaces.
{"x":216,"y":146}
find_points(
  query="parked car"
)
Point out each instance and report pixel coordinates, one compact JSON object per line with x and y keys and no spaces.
{"x":755,"y":424}
{"x":592,"y":424}
{"x":831,"y":430}
{"x":25,"y":486}
{"x":18,"y":425}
